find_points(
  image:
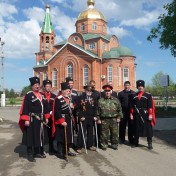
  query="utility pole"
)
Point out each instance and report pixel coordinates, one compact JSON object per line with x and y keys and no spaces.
{"x":2,"y":76}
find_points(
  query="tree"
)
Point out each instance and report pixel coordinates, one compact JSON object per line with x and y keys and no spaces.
{"x":25,"y":90}
{"x":165,"y":29}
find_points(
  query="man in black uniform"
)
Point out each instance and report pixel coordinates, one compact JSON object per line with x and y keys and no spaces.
{"x":49,"y":98}
{"x":87,"y":108}
{"x":125,"y":98}
{"x":95,"y":93}
{"x":61,"y":118}
{"x":74,"y":101}
{"x":143,"y":115}
{"x":33,"y":120}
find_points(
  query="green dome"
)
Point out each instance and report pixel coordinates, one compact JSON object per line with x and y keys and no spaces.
{"x":123,"y":51}
{"x":117,"y":52}
{"x":110,"y":54}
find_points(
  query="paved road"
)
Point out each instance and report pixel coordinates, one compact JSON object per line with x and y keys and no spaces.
{"x":124,"y":162}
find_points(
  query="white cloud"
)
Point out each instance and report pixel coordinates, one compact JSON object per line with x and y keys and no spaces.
{"x":35,"y":13}
{"x":21,"y":39}
{"x":64,"y":24}
{"x":119,"y":32}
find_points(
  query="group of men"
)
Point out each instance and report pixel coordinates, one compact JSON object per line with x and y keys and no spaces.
{"x":46,"y":118}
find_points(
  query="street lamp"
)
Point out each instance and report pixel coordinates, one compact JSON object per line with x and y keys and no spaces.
{"x":2,"y":76}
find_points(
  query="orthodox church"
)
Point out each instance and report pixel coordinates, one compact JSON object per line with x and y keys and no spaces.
{"x":88,"y":54}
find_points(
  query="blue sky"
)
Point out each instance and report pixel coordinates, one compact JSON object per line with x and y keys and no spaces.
{"x":129,"y":20}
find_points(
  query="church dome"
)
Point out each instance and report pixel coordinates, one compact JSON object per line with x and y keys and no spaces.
{"x":91,"y":12}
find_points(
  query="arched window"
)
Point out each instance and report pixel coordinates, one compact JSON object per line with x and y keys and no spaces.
{"x":110,"y":73}
{"x":125,"y":74}
{"x":38,"y":74}
{"x":92,"y":46}
{"x":86,"y":75}
{"x":104,"y":46}
{"x":104,"y":28}
{"x":54,"y":77}
{"x":70,"y":70}
{"x":119,"y":76}
{"x":44,"y":75}
{"x":94,"y":26}
{"x":47,"y":43}
{"x":82,"y":27}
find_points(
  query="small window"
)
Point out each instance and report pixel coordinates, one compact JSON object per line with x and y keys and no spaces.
{"x":110,"y":73}
{"x":94,"y":26}
{"x":104,"y":46}
{"x":126,"y":74}
{"x":119,"y":76}
{"x":54,"y":77}
{"x":104,"y":28}
{"x":44,"y":76}
{"x":75,"y":38}
{"x":70,"y":70}
{"x":47,"y":43}
{"x":86,"y":75}
{"x":82,"y":27}
{"x":92,"y":46}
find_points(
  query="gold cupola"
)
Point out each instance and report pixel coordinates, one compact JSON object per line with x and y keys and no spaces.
{"x":91,"y":12}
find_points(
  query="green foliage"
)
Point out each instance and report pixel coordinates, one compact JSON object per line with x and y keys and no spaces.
{"x":25,"y":90}
{"x":165,"y":29}
{"x":157,"y":90}
{"x":12,"y":101}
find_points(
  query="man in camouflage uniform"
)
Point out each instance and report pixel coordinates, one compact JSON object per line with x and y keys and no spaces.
{"x":109,"y":114}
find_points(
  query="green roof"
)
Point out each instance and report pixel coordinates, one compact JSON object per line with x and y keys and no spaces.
{"x":86,"y":51}
{"x":117,"y":52}
{"x":89,"y":36}
{"x":47,"y":24}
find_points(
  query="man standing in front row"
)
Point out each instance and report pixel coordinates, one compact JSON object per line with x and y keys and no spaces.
{"x":109,"y":114}
{"x":61,"y":119}
{"x":33,"y":120}
{"x":125,"y":98}
{"x":49,"y":98}
{"x":143,"y":115}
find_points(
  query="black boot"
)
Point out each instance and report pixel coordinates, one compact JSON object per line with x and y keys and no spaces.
{"x":42,"y":152}
{"x":150,"y":147}
{"x":60,"y":152}
{"x":30,"y":156}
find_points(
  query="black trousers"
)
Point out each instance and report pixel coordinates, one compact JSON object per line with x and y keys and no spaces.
{"x":122,"y":128}
{"x":88,"y":132}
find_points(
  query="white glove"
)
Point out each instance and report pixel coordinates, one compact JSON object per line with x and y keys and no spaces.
{"x":99,"y":121}
{"x":82,"y":119}
{"x":131,"y":116}
{"x":95,"y":118}
{"x":150,"y":117}
{"x":50,"y":112}
{"x":118,"y":120}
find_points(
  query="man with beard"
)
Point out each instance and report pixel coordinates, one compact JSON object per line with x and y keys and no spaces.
{"x":143,"y":114}
{"x":87,"y":116}
{"x":33,"y":121}
{"x":49,"y":98}
{"x":125,"y":98}
{"x":62,"y":119}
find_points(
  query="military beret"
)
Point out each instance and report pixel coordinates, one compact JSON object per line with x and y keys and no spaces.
{"x":107,"y":87}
